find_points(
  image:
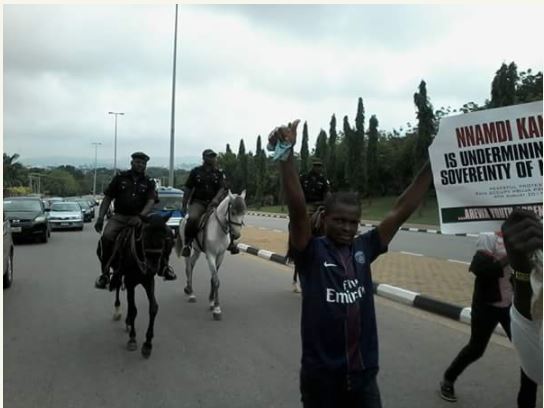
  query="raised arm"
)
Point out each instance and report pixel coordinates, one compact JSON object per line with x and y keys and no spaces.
{"x":406,"y":204}
{"x":300,"y":231}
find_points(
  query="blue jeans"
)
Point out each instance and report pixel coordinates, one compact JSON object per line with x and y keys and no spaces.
{"x":359,"y":390}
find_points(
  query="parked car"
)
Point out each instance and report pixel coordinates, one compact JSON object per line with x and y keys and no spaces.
{"x":88,"y":211}
{"x":27,"y":217}
{"x":66,"y":215}
{"x":8,"y":253}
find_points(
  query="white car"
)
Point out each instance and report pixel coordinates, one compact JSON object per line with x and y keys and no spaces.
{"x":66,"y":215}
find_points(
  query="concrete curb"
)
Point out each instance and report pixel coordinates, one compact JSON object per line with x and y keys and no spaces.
{"x":396,"y":294}
{"x":371,"y":225}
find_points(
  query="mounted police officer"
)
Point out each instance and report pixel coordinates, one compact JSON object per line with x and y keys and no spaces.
{"x":204,"y":190}
{"x":133,"y":195}
{"x":315,"y":186}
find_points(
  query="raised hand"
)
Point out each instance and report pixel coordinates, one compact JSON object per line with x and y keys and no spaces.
{"x":282,"y":139}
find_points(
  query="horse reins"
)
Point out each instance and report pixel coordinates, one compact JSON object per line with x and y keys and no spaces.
{"x":142,"y":263}
{"x":225,"y":228}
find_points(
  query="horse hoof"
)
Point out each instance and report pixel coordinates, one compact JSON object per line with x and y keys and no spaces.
{"x":192,"y":299}
{"x":146,"y":350}
{"x":117,"y":316}
{"x":187,"y":290}
{"x":131,"y":345}
{"x":217,"y":316}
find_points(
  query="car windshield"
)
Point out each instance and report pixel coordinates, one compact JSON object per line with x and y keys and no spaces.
{"x":65,"y":207}
{"x":168,"y":204}
{"x":22,"y":205}
{"x":84,"y":204}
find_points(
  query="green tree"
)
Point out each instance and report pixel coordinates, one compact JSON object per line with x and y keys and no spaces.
{"x":359,"y":145}
{"x":14,"y":173}
{"x":241,"y":178}
{"x":426,"y":127}
{"x":372,"y":157}
{"x":227,"y":161}
{"x":350,"y":151}
{"x":260,"y":157}
{"x":331,"y":163}
{"x":60,"y":182}
{"x":529,"y":87}
{"x":304,"y":151}
{"x":503,"y":87}
{"x":321,"y":146}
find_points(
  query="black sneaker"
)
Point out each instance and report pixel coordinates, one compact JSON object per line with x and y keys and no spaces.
{"x":169,"y":274}
{"x":186,"y":251}
{"x":102,"y":282}
{"x":447,"y":391}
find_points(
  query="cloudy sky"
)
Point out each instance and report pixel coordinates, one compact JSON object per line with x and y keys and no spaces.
{"x":242,"y":70}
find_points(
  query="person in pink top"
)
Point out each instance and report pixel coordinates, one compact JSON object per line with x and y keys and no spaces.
{"x":491,"y":301}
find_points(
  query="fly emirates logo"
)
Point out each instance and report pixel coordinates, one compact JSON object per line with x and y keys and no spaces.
{"x":351,"y":293}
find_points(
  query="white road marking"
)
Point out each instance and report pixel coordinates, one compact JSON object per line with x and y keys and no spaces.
{"x":461,"y":262}
{"x":276,"y":230}
{"x":263,"y":228}
{"x":410,"y":253}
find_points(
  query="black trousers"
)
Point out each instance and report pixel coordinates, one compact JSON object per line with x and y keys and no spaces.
{"x":340,"y":391}
{"x":484,"y":319}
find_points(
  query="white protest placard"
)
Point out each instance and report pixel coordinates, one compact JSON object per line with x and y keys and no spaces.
{"x":485,"y":164}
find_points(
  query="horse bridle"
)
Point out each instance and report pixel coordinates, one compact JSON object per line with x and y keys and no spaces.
{"x":142,"y":263}
{"x":226,"y":228}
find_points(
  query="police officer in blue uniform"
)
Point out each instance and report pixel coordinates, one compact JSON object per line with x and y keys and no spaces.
{"x":133,"y":195}
{"x":204,"y":190}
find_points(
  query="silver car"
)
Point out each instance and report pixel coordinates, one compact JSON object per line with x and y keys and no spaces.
{"x":8,"y":253}
{"x":66,"y":215}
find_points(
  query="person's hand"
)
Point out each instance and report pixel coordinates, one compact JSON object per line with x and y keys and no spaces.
{"x":99,"y":224}
{"x":135,"y":222}
{"x":285,"y":134}
{"x":522,"y":233}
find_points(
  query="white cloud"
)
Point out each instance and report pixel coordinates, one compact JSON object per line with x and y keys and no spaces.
{"x":242,"y":70}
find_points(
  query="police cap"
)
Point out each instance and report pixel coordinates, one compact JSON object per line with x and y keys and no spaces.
{"x":140,"y":155}
{"x":209,"y":153}
{"x":317,"y":162}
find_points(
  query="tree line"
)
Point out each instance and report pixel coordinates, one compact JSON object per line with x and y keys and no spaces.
{"x":362,"y":158}
{"x":357,"y":156}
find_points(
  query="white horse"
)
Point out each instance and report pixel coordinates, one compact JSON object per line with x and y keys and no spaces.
{"x":213,"y":239}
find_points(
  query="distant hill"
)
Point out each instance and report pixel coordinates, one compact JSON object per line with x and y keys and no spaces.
{"x":185,"y":163}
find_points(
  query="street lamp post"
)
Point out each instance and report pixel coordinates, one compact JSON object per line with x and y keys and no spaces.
{"x":115,"y":141}
{"x":172,"y":121}
{"x":96,"y":144}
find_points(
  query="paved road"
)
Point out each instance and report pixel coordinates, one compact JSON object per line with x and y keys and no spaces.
{"x":61,"y":348}
{"x":437,"y":246}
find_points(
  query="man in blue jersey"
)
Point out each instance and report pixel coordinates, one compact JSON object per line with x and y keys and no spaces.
{"x":339,"y":333}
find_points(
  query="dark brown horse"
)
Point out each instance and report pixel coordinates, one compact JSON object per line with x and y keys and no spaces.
{"x":138,"y":257}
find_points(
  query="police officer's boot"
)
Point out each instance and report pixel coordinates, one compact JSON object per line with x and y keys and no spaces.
{"x":233,"y":248}
{"x":168,"y":273}
{"x":104,"y":254}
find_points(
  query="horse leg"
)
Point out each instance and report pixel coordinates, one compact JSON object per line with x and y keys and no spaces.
{"x":153,"y":310}
{"x":189,"y":266}
{"x":117,"y":311}
{"x":214,"y":263}
{"x":131,"y":317}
